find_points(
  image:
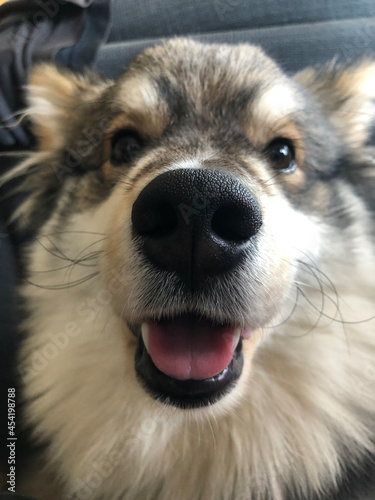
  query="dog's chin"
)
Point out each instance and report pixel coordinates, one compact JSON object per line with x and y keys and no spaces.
{"x":188,"y":361}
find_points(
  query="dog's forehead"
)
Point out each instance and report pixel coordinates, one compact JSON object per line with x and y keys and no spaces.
{"x":182,"y":75}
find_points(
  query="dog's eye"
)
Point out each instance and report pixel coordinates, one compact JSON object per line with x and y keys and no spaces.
{"x":125,"y":144}
{"x":282,"y":155}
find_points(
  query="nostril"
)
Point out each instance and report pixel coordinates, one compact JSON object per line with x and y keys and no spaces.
{"x":232,"y":223}
{"x":156,"y":221}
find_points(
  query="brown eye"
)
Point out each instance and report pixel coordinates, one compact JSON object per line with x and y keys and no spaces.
{"x":282,"y":155}
{"x":124,"y":146}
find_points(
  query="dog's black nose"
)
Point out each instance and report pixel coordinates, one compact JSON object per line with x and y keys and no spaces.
{"x":196,"y":223}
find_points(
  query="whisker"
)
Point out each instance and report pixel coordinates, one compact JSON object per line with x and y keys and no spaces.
{"x":71,"y":232}
{"x":90,"y":256}
{"x":329,"y":283}
{"x":64,"y":286}
{"x":62,"y":256}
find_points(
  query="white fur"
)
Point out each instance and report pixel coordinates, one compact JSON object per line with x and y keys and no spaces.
{"x":276,"y":103}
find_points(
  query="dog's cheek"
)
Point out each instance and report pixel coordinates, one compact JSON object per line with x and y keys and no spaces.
{"x":249,"y":347}
{"x":243,"y":384}
{"x":119,"y":261}
{"x":289,"y":236}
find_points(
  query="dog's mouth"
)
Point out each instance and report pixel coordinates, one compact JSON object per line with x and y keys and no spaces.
{"x":188,"y":361}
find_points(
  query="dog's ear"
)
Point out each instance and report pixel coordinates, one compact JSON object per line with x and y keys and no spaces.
{"x":347,"y":97}
{"x":54,"y":97}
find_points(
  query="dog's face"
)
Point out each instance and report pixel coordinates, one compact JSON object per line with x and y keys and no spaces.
{"x":203,"y":173}
{"x":199,"y":224}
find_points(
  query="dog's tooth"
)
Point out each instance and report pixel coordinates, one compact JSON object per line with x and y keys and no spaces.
{"x":236,"y":336}
{"x":145,"y":329}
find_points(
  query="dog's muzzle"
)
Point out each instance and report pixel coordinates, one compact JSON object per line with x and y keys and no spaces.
{"x":196,"y":224}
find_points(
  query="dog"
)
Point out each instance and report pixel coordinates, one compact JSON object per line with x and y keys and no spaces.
{"x":199,"y":290}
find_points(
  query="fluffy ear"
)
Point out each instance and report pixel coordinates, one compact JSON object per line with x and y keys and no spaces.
{"x":54,"y":96}
{"x":347,"y":96}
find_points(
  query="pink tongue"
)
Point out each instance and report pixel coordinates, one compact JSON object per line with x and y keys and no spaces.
{"x":185,"y":349}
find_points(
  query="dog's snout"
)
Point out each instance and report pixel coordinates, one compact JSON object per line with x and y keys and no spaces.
{"x":196,"y":223}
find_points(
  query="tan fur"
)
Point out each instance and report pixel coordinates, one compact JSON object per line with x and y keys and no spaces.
{"x":356,"y":86}
{"x":142,"y":105}
{"x":54,"y":95}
